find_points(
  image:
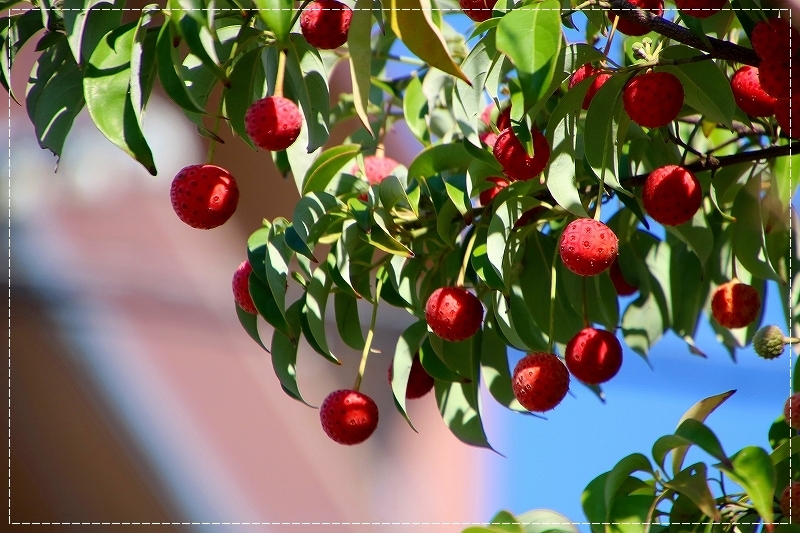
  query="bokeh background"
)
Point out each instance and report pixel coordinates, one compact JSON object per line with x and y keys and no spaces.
{"x":135,"y":397}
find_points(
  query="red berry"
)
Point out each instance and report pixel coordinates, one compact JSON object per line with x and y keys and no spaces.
{"x":588,"y":247}
{"x":348,"y":416}
{"x":489,"y":137}
{"x":324,"y":24}
{"x":782,"y":115}
{"x":454,"y":313}
{"x":774,"y":75}
{"x":540,"y":381}
{"x":419,"y":383}
{"x":377,"y":168}
{"x":621,"y":285}
{"x":672,"y":195}
{"x":584,"y":72}
{"x":477,"y":10}
{"x":273,"y":123}
{"x":735,"y":304}
{"x":749,"y":94}
{"x":204,"y":196}
{"x":635,"y":29}
{"x":790,"y":501}
{"x":593,"y":356}
{"x":770,"y":38}
{"x":791,"y":412}
{"x":488,"y":195}
{"x":516,"y":162}
{"x":241,"y":287}
{"x":700,"y":8}
{"x":653,"y":99}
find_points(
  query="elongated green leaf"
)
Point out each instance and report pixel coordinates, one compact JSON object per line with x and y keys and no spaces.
{"x":407,"y":346}
{"x":327,"y":166}
{"x":247,"y":84}
{"x":468,"y":100}
{"x":307,"y":79}
{"x":699,"y":412}
{"x":317,"y":291}
{"x":415,"y":110}
{"x":699,"y":434}
{"x":636,"y":462}
{"x":277,"y":265}
{"x":748,"y":231}
{"x":195,"y":29}
{"x":693,"y":483}
{"x":15,"y":31}
{"x":433,"y":364}
{"x":601,"y":142}
{"x":752,"y":469}
{"x":268,"y":308}
{"x":437,"y":158}
{"x":171,"y":81}
{"x":277,"y":15}
{"x":86,"y":21}
{"x":257,"y":252}
{"x":545,"y":520}
{"x":284,"y":354}
{"x":494,"y":368}
{"x":347,"y":320}
{"x":108,"y":94}
{"x":143,"y":62}
{"x":249,"y":322}
{"x":360,"y":57}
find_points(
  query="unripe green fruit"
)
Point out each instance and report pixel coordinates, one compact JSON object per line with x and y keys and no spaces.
{"x":769,"y":342}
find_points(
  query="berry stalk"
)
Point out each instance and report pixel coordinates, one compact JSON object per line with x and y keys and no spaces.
{"x":467,"y":253}
{"x":370,"y":334}
{"x":281,"y":73}
{"x":553,"y":287}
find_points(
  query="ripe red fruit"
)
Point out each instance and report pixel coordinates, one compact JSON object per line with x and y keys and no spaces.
{"x":632,"y":28}
{"x":700,"y":8}
{"x":588,"y":247}
{"x":241,"y":288}
{"x":204,"y":196}
{"x":489,"y":137}
{"x":770,"y":38}
{"x":540,"y":381}
{"x":454,"y":313}
{"x":325,"y":23}
{"x":348,"y":416}
{"x":488,"y":195}
{"x":672,"y":195}
{"x":653,"y":99}
{"x":273,"y":123}
{"x":735,"y":304}
{"x":593,"y":356}
{"x":584,"y":72}
{"x":791,"y":412}
{"x":419,"y":383}
{"x":749,"y":95}
{"x":516,"y":163}
{"x":621,"y":285}
{"x":774,"y":75}
{"x":782,"y":115}
{"x":377,"y":168}
{"x":477,"y":10}
{"x":790,"y":501}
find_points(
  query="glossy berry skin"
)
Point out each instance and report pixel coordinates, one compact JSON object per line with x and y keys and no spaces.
{"x":735,"y":304}
{"x":632,"y":28}
{"x":791,"y":412}
{"x":454,"y":313}
{"x":377,"y":168}
{"x":540,"y":381}
{"x":348,"y":417}
{"x":419,"y":382}
{"x":477,"y":10}
{"x":588,"y":247}
{"x":749,"y":95}
{"x":790,"y":501}
{"x":770,"y":39}
{"x":586,"y":71}
{"x":672,"y":195}
{"x":273,"y":123}
{"x":489,"y":137}
{"x":700,"y":8}
{"x":621,"y":285}
{"x":241,"y":288}
{"x":325,"y":23}
{"x":488,"y":195}
{"x":593,"y":356}
{"x":782,"y":115}
{"x":774,"y":76}
{"x":204,"y":196}
{"x":653,"y":99}
{"x":516,"y":163}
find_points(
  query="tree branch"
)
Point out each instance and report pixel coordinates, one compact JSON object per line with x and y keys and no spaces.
{"x":719,"y":49}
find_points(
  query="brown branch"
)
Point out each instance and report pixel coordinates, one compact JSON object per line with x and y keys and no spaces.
{"x":719,"y":49}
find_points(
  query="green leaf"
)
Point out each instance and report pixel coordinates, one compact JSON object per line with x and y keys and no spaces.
{"x":247,"y":83}
{"x":317,"y":291}
{"x":15,"y":31}
{"x":748,"y":231}
{"x":534,"y":53}
{"x":249,"y":322}
{"x":411,"y":21}
{"x":697,"y":236}
{"x":348,"y":322}
{"x":257,"y":252}
{"x":195,"y":28}
{"x":277,"y":15}
{"x":268,"y":308}
{"x":468,"y":100}
{"x":698,"y":433}
{"x":169,"y":76}
{"x":327,"y":166}
{"x":693,"y":483}
{"x":786,"y":449}
{"x":415,"y":110}
{"x":381,"y":238}
{"x":143,"y":62}
{"x":699,"y":412}
{"x":307,"y":84}
{"x":752,"y":469}
{"x":434,"y":365}
{"x":602,"y":144}
{"x":360,"y":57}
{"x":546,"y":521}
{"x":284,"y":354}
{"x":107,"y":90}
{"x":86,"y":21}
{"x":635,"y":462}
{"x":494,"y":368}
{"x":438,"y":158}
{"x":277,"y":264}
{"x":408,"y":344}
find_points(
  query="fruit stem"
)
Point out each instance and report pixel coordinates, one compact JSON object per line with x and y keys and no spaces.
{"x":467,"y":254}
{"x":600,"y":190}
{"x":550,"y":340}
{"x":281,"y":72}
{"x":213,"y":144}
{"x":299,"y":12}
{"x":790,"y":340}
{"x":611,"y":36}
{"x":370,"y":334}
{"x":583,"y":303}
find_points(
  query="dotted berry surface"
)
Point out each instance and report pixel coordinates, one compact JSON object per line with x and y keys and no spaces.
{"x":593,"y":356}
{"x":325,"y":23}
{"x":774,"y":76}
{"x":273,"y":123}
{"x":790,"y":501}
{"x":584,"y":72}
{"x":735,"y":304}
{"x":672,"y":195}
{"x":204,"y":196}
{"x":516,"y":162}
{"x":588,"y":247}
{"x":419,"y":382}
{"x":653,"y":99}
{"x":477,"y":10}
{"x":241,"y":287}
{"x":700,"y":8}
{"x":348,"y":417}
{"x":782,"y":115}
{"x":749,"y":95}
{"x":632,"y":28}
{"x":540,"y":381}
{"x":377,"y":168}
{"x":454,"y":313}
{"x":791,"y":412}
{"x":770,"y":38}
